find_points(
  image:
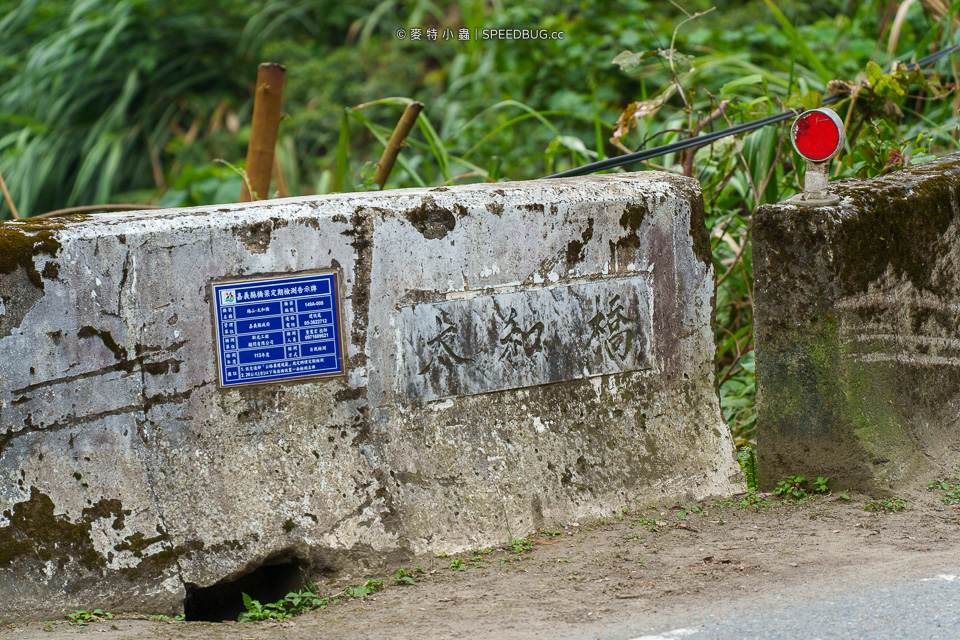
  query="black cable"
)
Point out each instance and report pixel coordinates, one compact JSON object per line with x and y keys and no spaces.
{"x":705,"y":139}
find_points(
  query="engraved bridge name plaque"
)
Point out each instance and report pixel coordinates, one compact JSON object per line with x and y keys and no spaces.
{"x":526,"y":338}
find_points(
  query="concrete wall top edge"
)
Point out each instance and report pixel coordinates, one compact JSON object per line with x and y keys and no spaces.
{"x":898,"y":184}
{"x":393,"y":201}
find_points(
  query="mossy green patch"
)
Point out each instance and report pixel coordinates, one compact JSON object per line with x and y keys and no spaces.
{"x":430,"y":219}
{"x":898,"y":224}
{"x":105,"y":508}
{"x":156,"y":564}
{"x":34,"y":531}
{"x":632,"y":217}
{"x":20,"y":243}
{"x":853,"y":403}
{"x":137,"y":542}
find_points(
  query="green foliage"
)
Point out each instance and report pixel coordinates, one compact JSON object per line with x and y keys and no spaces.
{"x":521,"y":545}
{"x":256,"y":612}
{"x":212,"y":183}
{"x":694,"y":510}
{"x":887,"y":505}
{"x":791,"y":488}
{"x":651,"y":524}
{"x":457,"y":565}
{"x":795,"y":489}
{"x":950,"y":488}
{"x":403,"y":577}
{"x":747,"y":457}
{"x":365,"y":589}
{"x":752,"y":500}
{"x":91,"y":92}
{"x":82,"y":618}
{"x":299,"y":602}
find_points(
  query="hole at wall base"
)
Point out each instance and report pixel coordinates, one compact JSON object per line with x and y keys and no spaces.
{"x":269,"y":582}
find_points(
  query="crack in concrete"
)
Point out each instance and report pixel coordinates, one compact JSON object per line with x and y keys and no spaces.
{"x":145,"y":406}
{"x":128,"y":366}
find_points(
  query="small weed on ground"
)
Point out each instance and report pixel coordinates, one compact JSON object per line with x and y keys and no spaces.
{"x":82,"y":618}
{"x":694,"y":510}
{"x":403,"y":577}
{"x":520,"y":545}
{"x":299,"y":602}
{"x":791,"y":488}
{"x":650,"y":524}
{"x":887,"y":505}
{"x":752,"y":500}
{"x":794,"y":489}
{"x":949,"y":487}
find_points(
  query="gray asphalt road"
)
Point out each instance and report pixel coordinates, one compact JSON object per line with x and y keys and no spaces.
{"x":917,"y":609}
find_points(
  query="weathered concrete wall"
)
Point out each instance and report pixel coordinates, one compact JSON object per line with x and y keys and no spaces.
{"x":858,"y":331}
{"x":518,"y":355}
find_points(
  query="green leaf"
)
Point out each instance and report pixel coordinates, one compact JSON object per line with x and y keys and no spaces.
{"x":628,"y":60}
{"x":340,"y":176}
{"x":745,"y":81}
{"x":812,"y":100}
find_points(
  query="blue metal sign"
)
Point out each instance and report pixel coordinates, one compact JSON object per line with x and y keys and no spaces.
{"x":277,"y":329}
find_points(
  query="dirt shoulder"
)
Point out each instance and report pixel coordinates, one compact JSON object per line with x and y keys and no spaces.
{"x":632,"y":573}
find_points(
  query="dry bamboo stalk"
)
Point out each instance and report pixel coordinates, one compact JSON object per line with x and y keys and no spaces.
{"x":6,"y":196}
{"x":389,"y":157}
{"x":263,"y":135}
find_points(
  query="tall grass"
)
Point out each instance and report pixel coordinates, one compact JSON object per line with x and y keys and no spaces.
{"x":92,"y":91}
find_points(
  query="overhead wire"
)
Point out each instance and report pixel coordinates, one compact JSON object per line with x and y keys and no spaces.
{"x":708,"y":138}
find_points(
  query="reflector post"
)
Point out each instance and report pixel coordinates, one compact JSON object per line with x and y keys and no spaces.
{"x":818,"y":136}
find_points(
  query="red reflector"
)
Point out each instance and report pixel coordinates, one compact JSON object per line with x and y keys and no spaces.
{"x":816,"y":136}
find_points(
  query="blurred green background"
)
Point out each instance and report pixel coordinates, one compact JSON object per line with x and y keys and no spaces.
{"x":149,"y":101}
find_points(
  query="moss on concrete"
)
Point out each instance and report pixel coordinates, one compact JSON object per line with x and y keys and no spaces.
{"x":21,"y":243}
{"x":900,"y":225}
{"x":832,"y":399}
{"x":430,"y":219}
{"x":35,"y":532}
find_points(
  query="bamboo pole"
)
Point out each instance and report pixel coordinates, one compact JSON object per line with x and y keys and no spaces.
{"x":390,"y":153}
{"x":263,"y":135}
{"x":6,"y":196}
